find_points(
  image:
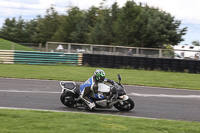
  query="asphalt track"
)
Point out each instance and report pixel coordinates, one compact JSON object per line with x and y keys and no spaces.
{"x":150,"y":102}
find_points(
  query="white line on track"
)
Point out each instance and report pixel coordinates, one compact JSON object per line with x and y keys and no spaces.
{"x":163,"y":88}
{"x":133,"y":94}
{"x":164,"y":95}
{"x":17,"y":91}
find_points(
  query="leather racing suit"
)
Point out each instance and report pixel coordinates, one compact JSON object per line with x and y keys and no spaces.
{"x":89,"y":86}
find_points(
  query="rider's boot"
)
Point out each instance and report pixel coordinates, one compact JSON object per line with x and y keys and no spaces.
{"x":89,"y":105}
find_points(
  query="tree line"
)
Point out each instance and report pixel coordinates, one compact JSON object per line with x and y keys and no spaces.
{"x":133,"y":24}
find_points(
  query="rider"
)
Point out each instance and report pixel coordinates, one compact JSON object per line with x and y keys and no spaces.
{"x":91,"y":85}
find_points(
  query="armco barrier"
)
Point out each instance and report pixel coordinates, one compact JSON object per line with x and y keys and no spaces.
{"x":40,"y":58}
{"x":7,"y":56}
{"x":111,"y":61}
{"x":30,"y":57}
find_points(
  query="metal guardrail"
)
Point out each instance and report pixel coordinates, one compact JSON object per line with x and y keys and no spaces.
{"x":7,"y":56}
{"x":35,"y":57}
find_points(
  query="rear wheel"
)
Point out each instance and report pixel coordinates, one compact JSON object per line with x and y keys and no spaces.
{"x":67,"y":98}
{"x":125,"y":105}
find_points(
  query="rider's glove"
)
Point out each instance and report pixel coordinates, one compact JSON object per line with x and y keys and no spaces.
{"x":110,"y":81}
{"x":98,"y":96}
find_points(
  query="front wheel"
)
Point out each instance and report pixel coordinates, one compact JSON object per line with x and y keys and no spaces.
{"x":67,"y":98}
{"x":125,"y":105}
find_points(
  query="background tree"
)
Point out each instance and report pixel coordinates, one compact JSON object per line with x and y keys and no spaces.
{"x":131,"y":25}
{"x":14,"y":30}
{"x":32,"y":31}
{"x":196,"y":43}
{"x":68,"y":28}
{"x":102,"y":31}
{"x":47,"y":26}
{"x":7,"y":30}
{"x":125,"y":26}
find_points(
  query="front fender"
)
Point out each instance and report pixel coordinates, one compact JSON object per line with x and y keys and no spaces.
{"x":124,"y":97}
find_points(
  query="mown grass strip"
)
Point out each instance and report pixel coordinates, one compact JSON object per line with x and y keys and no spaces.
{"x":27,"y":121}
{"x":80,"y":73}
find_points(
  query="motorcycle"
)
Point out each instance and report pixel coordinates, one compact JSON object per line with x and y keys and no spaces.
{"x":114,"y":95}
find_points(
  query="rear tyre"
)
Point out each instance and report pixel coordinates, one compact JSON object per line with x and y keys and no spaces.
{"x":125,"y":106}
{"x":67,"y":98}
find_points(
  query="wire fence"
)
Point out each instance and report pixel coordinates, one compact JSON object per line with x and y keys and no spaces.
{"x":110,"y":50}
{"x":122,"y":50}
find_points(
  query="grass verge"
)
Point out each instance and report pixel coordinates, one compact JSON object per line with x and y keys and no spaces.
{"x":7,"y":45}
{"x":27,"y":121}
{"x":80,"y":73}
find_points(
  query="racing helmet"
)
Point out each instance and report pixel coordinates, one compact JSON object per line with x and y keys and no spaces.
{"x":99,"y":75}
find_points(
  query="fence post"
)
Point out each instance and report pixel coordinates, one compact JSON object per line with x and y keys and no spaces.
{"x":91,"y":49}
{"x":13,"y":46}
{"x":69,"y":48}
{"x":114,"y":50}
{"x":40,"y":46}
{"x":137,"y":51}
{"x":160,"y":53}
{"x":47,"y":46}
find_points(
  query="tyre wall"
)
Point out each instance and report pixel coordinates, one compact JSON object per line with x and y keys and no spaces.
{"x":163,"y":64}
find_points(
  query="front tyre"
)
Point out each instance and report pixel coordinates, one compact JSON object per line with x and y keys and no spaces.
{"x":67,"y":98}
{"x":125,"y":105}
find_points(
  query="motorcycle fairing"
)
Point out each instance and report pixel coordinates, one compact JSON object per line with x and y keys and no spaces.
{"x":103,"y":88}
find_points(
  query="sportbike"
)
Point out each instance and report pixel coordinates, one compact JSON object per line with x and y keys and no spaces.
{"x":114,"y":95}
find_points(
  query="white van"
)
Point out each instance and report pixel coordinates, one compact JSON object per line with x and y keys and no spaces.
{"x":187,"y":51}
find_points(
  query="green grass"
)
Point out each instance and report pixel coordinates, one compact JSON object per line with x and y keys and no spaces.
{"x":7,"y":45}
{"x":26,"y":121}
{"x":80,"y":73}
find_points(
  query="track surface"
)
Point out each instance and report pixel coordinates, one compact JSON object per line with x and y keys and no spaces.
{"x":151,"y":102}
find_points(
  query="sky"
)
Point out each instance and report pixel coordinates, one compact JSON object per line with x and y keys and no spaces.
{"x":184,"y":10}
